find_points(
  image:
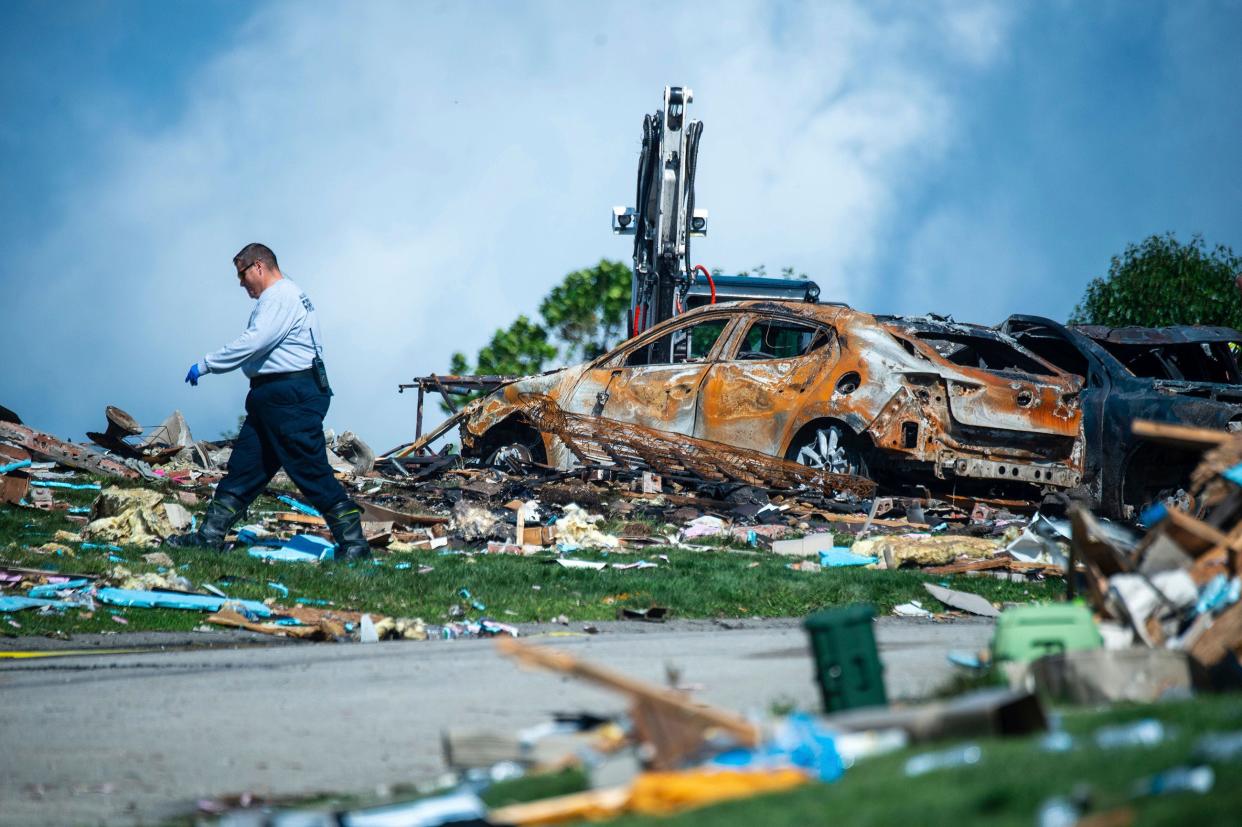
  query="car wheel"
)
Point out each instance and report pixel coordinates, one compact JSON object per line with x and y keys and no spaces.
{"x":832,"y":449}
{"x":512,"y":456}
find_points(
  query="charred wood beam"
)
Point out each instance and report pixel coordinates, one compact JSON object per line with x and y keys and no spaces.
{"x":448,"y":400}
{"x":1180,"y":436}
{"x":667,"y":452}
{"x":418,"y":445}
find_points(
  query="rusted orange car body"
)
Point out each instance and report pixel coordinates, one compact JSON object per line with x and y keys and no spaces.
{"x":823,"y":384}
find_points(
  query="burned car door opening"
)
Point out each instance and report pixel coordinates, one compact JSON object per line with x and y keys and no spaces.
{"x":657,"y":377}
{"x":751,"y":394}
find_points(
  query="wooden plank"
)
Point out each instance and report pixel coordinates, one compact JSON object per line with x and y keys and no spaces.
{"x":381,"y":514}
{"x":323,"y":627}
{"x":1221,"y":638}
{"x":1207,"y":566}
{"x":996,"y":563}
{"x":1088,"y":551}
{"x":301,"y":519}
{"x":47,"y":572}
{"x":861,"y":519}
{"x":967,"y":503}
{"x":417,"y":446}
{"x":227,"y":617}
{"x":1181,"y":436}
{"x":16,"y":484}
{"x":971,"y":565}
{"x":666,"y":718}
{"x":1194,"y":536}
{"x":677,"y":499}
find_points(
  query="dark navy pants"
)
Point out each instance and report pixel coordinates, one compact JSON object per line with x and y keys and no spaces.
{"x":283,"y":427}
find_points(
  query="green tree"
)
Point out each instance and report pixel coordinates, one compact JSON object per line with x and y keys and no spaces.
{"x":587,"y":312}
{"x":1161,"y":282}
{"x":520,"y":349}
{"x":761,"y":271}
{"x":589,"y":309}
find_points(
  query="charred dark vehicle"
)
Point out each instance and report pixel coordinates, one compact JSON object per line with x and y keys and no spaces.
{"x":900,"y":399}
{"x":1183,"y":375}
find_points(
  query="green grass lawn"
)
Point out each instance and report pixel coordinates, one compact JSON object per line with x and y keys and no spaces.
{"x":1012,"y":779}
{"x":693,"y":584}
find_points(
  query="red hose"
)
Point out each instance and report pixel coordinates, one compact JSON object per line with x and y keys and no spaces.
{"x":710,"y":282}
{"x":638,"y":318}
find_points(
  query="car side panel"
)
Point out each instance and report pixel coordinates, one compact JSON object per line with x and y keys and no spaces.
{"x":751,"y":403}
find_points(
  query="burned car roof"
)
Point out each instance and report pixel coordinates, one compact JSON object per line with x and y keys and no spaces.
{"x":1180,"y":334}
{"x":943,"y":325}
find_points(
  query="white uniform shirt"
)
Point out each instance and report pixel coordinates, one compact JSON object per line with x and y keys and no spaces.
{"x":278,"y":338}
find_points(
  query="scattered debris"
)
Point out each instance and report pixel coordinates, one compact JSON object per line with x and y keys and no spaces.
{"x":896,"y":551}
{"x":134,"y":516}
{"x":965,"y":601}
{"x":73,"y":456}
{"x":1178,"y":586}
{"x":578,"y":528}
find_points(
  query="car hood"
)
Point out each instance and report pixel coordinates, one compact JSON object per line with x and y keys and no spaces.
{"x":486,"y":411}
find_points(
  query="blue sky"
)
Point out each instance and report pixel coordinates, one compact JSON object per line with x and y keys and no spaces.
{"x":426,"y":171}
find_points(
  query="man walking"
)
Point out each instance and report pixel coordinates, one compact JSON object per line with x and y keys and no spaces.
{"x":288,"y":399}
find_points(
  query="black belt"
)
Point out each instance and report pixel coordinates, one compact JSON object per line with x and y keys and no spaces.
{"x":264,"y":378}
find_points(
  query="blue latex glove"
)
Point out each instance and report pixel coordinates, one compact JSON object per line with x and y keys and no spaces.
{"x":192,"y":375}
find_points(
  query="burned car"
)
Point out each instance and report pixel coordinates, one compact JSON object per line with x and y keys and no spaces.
{"x":893,"y":398}
{"x":1184,"y":375}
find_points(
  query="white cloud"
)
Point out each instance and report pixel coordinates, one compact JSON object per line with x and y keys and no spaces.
{"x":428,"y":171}
{"x":979,"y":256}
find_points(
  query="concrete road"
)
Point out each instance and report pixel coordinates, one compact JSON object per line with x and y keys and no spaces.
{"x":137,"y":738}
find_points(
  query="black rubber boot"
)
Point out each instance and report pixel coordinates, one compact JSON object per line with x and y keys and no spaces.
{"x":222,"y":512}
{"x":345,"y":523}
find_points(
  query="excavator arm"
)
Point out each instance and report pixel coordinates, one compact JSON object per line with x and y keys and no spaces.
{"x":664,"y":217}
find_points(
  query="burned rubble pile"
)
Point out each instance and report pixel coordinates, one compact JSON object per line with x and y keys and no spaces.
{"x":1175,"y":591}
{"x":681,"y":493}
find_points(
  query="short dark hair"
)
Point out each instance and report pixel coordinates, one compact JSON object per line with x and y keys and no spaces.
{"x":255,"y":252}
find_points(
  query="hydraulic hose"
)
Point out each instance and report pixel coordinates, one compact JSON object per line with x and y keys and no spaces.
{"x":695,"y":131}
{"x":699,"y":268}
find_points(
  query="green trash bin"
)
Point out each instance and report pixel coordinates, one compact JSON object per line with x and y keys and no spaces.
{"x":847,"y":662}
{"x":1025,"y":633}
